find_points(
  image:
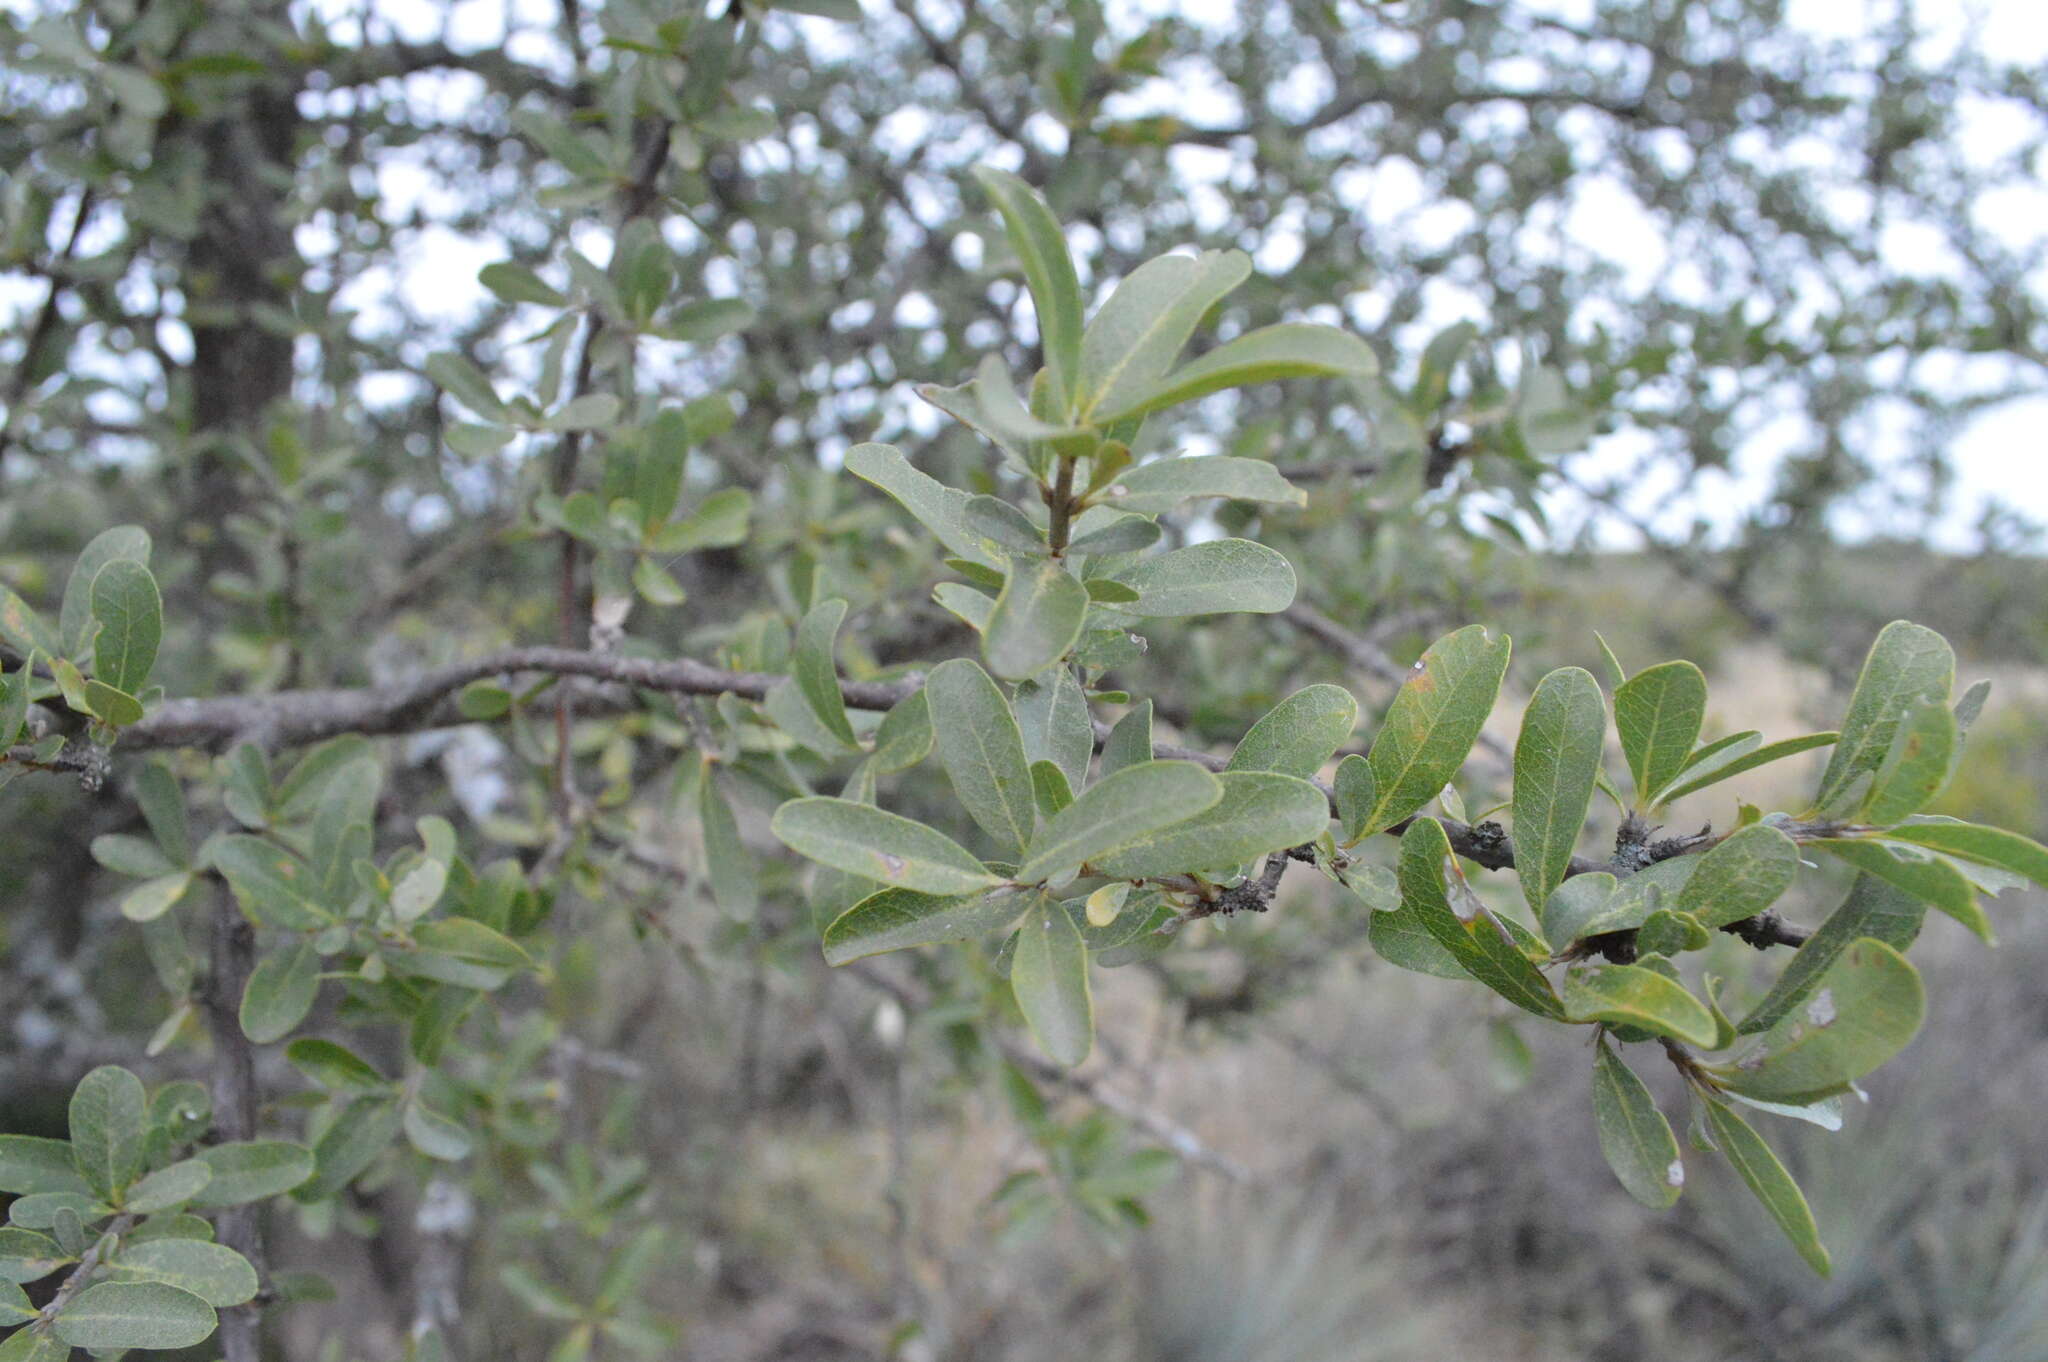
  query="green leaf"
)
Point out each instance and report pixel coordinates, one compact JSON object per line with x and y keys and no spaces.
{"x":905,"y":736}
{"x":26,"y":1345}
{"x":167,"y":1187}
{"x":518,"y":284}
{"x":1140,"y":330}
{"x":130,"y":615}
{"x":126,"y":855}
{"x":14,"y":700}
{"x":1036,"y":620}
{"x":1286,"y":350}
{"x":730,"y":864}
{"x":112,"y":1315}
{"x":333,"y":1066}
{"x":1260,"y":812}
{"x":1874,"y":909}
{"x":1052,"y":713}
{"x":1919,"y":873}
{"x":163,"y":808}
{"x":281,"y":991}
{"x":1117,"y":812}
{"x":1049,"y":788}
{"x":1741,"y":877}
{"x":816,"y":673}
{"x":1048,"y":270}
{"x":1130,"y":740}
{"x":1357,"y":792}
{"x":1161,"y":485}
{"x":1630,"y":995}
{"x":213,"y":1272}
{"x":1012,"y":531}
{"x":1974,"y":842}
{"x":1114,"y":534}
{"x":938,"y":508}
{"x":1434,"y":720}
{"x":1299,"y":734}
{"x":1863,"y":1010}
{"x":863,"y":840}
{"x":117,"y":707}
{"x":274,"y":887}
{"x":123,"y":543}
{"x":360,"y":1132}
{"x":435,"y":1135}
{"x":252,"y":1170}
{"x":1907,"y":664}
{"x":14,"y":1305}
{"x":1400,"y":939}
{"x":43,"y":1210}
{"x":109,"y":1125}
{"x":1760,"y":1170}
{"x":26,"y":1256}
{"x":24,"y":630}
{"x":1917,"y":766}
{"x":30,"y":1164}
{"x":1050,"y":978}
{"x":1556,"y":758}
{"x":895,"y":918}
{"x":1657,"y":714}
{"x":1481,"y":947}
{"x":1712,"y":766}
{"x":1634,"y":1136}
{"x":459,"y":377}
{"x":719,"y":522}
{"x":1208,"y":578}
{"x":1596,"y":903}
{"x":982,"y":750}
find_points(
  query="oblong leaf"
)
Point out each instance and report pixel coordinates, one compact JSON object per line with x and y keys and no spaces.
{"x":1863,"y":1010}
{"x":1434,"y":720}
{"x":1041,"y":249}
{"x":280,"y":992}
{"x":1873,"y":909}
{"x":1658,"y":713}
{"x":1259,"y":812}
{"x":1299,"y":734}
{"x":128,"y":543}
{"x":109,"y":1127}
{"x":1735,"y":759}
{"x":213,"y":1272}
{"x":931,"y":503}
{"x":1481,"y":946}
{"x":1745,"y":874}
{"x":1974,"y":842}
{"x":1917,"y":766}
{"x":1906,"y":664}
{"x":892,"y":919}
{"x":1630,"y":995}
{"x":1049,"y":975}
{"x":1556,"y":759}
{"x":817,"y":676}
{"x":1766,"y":1177}
{"x":1159,"y":486}
{"x":1634,"y":1136}
{"x":251,"y":1170}
{"x":130,"y":615}
{"x":1036,"y":620}
{"x":1116,"y":812}
{"x":110,"y":1315}
{"x":1140,"y":330}
{"x":1209,"y":578}
{"x":881,"y":846}
{"x":1920,"y":873}
{"x":1285,"y":350}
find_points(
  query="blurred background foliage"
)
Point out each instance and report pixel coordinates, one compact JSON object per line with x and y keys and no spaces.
{"x":1757,"y":280}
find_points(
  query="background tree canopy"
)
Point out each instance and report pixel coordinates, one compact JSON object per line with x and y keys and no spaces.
{"x":527,"y":530}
